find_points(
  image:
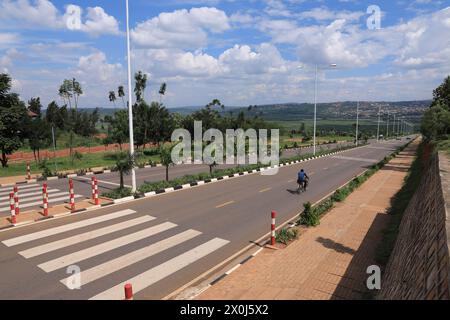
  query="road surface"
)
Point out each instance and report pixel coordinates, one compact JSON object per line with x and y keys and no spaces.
{"x":159,"y":244}
{"x":30,"y":194}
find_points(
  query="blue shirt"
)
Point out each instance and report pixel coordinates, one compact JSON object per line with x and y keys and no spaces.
{"x":301,"y":176}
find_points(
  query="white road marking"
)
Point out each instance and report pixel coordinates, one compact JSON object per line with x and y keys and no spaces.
{"x":27,"y":188}
{"x":65,"y":228}
{"x":52,"y":246}
{"x":23,"y":196}
{"x":127,"y":260}
{"x":87,"y":253}
{"x":37,"y":203}
{"x":356,"y":159}
{"x":146,"y":279}
{"x":104,"y":182}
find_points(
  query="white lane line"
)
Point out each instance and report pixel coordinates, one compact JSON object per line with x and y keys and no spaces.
{"x":146,"y":279}
{"x":28,"y":188}
{"x":127,"y":260}
{"x":64,"y":228}
{"x":104,"y":182}
{"x":87,"y":253}
{"x":52,"y":246}
{"x":37,"y":203}
{"x":24,"y":195}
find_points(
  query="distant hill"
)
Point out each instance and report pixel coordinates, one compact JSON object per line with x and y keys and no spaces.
{"x":305,"y":111}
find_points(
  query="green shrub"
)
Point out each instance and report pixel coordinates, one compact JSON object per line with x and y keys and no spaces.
{"x":118,"y":193}
{"x":309,"y":217}
{"x":46,"y":171}
{"x":285,"y":236}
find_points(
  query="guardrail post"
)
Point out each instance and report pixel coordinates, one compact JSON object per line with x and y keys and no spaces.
{"x":128,"y":292}
{"x":45,"y":199}
{"x":12,"y":207}
{"x":16,"y":200}
{"x":72,"y":195}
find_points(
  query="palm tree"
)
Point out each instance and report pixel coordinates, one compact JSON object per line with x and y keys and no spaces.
{"x":112,"y":98}
{"x":76,"y":91}
{"x":162,"y":91}
{"x":141,"y":84}
{"x":166,"y":159}
{"x":121,"y":93}
{"x":123,"y":164}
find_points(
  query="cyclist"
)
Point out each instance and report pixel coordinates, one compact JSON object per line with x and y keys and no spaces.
{"x":302,"y":180}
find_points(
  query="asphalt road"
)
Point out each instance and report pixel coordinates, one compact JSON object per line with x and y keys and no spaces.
{"x":30,"y":195}
{"x":160,"y":244}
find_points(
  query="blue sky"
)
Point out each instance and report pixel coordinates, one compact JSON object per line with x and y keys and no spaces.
{"x":240,"y":51}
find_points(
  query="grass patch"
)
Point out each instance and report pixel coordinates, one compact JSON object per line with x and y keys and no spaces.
{"x":398,"y":206}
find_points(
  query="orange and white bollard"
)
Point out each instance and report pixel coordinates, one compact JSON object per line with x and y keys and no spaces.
{"x":45,"y":199}
{"x":128,"y":292}
{"x":16,"y":200}
{"x":272,"y":238}
{"x":96,"y":201}
{"x":12,"y":207}
{"x":72,"y":195}
{"x":28,"y":171}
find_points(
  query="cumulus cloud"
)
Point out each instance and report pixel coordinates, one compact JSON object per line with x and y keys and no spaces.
{"x":43,"y":14}
{"x":186,"y":29}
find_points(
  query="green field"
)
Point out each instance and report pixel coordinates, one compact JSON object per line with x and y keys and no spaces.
{"x":91,"y":160}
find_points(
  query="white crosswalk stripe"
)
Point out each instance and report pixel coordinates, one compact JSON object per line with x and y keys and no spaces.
{"x":162,"y":271}
{"x":118,"y":262}
{"x":65,"y":228}
{"x":52,"y":246}
{"x":133,"y":257}
{"x":31,"y":196}
{"x":87,"y":253}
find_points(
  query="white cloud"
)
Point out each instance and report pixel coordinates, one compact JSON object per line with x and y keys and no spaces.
{"x":43,"y":14}
{"x":181,"y":29}
{"x":99,"y":22}
{"x":95,"y":67}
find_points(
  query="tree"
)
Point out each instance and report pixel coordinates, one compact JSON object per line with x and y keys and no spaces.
{"x":166,"y":159}
{"x":141,"y":84}
{"x":121,"y":94}
{"x":112,"y":98}
{"x":123,"y":163}
{"x":66,"y":92}
{"x":39,"y":136}
{"x":436,"y":120}
{"x":117,"y":128}
{"x":13,"y":115}
{"x":76,"y":91}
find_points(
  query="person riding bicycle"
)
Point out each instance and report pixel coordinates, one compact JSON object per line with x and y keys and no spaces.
{"x":302,"y":180}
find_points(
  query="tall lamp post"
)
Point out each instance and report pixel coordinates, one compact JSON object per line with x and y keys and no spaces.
{"x":130,"y":104}
{"x":332,"y":65}
{"x":379,"y":119}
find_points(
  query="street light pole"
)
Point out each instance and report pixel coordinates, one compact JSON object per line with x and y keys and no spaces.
{"x":387,"y":125}
{"x":357,"y":122}
{"x":378,"y":130}
{"x":130,"y":104}
{"x":315,"y":109}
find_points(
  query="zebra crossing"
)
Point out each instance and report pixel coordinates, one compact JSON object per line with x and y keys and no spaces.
{"x":139,"y":236}
{"x":30,"y":196}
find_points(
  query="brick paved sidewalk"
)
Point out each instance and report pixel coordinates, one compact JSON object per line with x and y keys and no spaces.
{"x":329,"y":261}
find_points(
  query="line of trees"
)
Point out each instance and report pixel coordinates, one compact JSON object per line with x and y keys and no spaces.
{"x":436,"y":121}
